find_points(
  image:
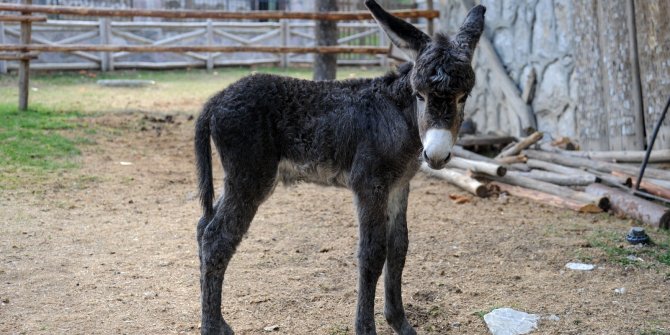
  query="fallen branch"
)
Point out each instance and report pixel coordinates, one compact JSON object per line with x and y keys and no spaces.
{"x":634,"y":207}
{"x":478,"y":166}
{"x":548,"y":199}
{"x":521,"y":145}
{"x":465,"y":182}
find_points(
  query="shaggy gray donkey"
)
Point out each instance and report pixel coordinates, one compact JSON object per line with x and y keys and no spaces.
{"x":369,"y":135}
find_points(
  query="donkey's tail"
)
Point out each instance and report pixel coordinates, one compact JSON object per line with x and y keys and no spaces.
{"x":203,"y":156}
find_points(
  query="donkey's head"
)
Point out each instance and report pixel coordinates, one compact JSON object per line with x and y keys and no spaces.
{"x":442,"y":77}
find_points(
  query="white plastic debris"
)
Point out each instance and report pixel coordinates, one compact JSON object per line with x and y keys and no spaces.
{"x":553,"y":317}
{"x":125,"y":163}
{"x":620,"y":290}
{"x":507,"y":321}
{"x":580,"y":266}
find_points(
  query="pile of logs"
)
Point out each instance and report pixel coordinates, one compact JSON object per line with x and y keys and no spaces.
{"x":583,"y":181}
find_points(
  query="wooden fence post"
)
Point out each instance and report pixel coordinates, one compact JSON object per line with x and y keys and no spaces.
{"x":284,"y":32}
{"x":24,"y":63}
{"x":383,"y":42}
{"x":210,"y":42}
{"x":431,"y":25}
{"x":3,"y":64}
{"x":106,"y":58}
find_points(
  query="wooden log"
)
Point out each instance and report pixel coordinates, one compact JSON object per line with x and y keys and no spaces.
{"x":193,"y":48}
{"x":201,"y":14}
{"x":472,"y":140}
{"x":513,"y":159}
{"x":519,"y":167}
{"x":560,"y":191}
{"x":538,"y":164}
{"x":557,"y":179}
{"x":580,"y":162}
{"x":632,"y":156}
{"x":478,"y":166}
{"x":465,"y":182}
{"x":647,"y":185}
{"x":521,"y":145}
{"x":22,"y":18}
{"x":459,"y":151}
{"x":547,"y":199}
{"x":610,"y":180}
{"x":642,"y":210}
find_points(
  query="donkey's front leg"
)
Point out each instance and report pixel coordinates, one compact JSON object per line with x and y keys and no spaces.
{"x":371,"y":255}
{"x":396,"y":245}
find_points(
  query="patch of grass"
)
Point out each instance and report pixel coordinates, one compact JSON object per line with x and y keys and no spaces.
{"x":481,"y":313}
{"x":617,"y":249}
{"x":32,"y":139}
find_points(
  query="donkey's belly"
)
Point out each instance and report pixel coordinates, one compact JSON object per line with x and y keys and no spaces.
{"x":291,"y":172}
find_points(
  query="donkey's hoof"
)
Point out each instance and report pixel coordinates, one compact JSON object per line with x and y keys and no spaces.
{"x":219,"y":329}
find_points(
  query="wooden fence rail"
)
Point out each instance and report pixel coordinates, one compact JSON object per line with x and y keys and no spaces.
{"x":195,"y":14}
{"x":27,"y":49}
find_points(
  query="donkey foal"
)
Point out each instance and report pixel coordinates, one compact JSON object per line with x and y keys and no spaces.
{"x":368,"y":135}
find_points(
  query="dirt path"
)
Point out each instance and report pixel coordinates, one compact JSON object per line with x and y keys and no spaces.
{"x":110,"y":249}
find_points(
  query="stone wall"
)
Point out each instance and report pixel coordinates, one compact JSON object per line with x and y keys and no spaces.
{"x":530,"y":35}
{"x":585,"y":55}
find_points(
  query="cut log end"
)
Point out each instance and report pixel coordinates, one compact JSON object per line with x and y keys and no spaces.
{"x":501,"y":171}
{"x":604,"y":203}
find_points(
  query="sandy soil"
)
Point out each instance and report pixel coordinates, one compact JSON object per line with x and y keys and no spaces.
{"x":110,"y":249}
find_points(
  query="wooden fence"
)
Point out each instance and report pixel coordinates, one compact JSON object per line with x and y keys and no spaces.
{"x":244,"y":38}
{"x":25,"y":50}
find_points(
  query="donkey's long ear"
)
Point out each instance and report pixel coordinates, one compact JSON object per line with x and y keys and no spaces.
{"x":404,"y":35}
{"x":471,"y":29}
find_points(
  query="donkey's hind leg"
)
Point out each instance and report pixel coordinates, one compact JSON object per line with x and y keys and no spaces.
{"x":243,"y":193}
{"x":396,"y":246}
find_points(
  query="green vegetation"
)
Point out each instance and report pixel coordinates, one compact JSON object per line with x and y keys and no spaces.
{"x":617,"y":249}
{"x":33,"y":139}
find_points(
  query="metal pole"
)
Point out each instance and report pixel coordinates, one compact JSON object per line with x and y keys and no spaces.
{"x":651,"y":145}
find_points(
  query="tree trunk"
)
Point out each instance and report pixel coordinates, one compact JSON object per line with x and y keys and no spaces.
{"x":325,"y":65}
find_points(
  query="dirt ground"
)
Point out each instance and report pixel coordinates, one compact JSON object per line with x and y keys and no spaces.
{"x":110,"y":249}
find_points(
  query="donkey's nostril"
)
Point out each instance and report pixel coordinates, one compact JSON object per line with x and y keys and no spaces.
{"x":446,"y":160}
{"x":425,"y":156}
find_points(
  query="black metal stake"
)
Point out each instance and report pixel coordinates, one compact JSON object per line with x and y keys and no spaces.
{"x":651,"y":145}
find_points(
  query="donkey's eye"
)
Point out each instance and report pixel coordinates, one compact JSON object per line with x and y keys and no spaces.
{"x":420,"y":97}
{"x":462,"y":99}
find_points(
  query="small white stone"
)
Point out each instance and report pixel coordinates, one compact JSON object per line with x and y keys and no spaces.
{"x":271,"y":328}
{"x":580,"y":266}
{"x":553,"y":317}
{"x":620,"y":290}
